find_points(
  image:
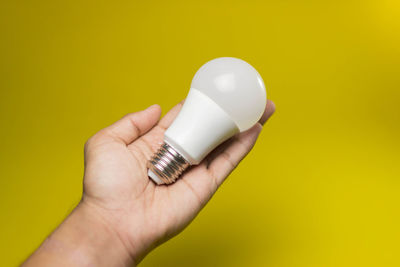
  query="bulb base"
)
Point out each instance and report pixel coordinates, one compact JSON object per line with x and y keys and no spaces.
{"x":166,"y":165}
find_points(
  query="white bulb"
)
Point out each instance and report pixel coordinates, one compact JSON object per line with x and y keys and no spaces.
{"x":227,"y":96}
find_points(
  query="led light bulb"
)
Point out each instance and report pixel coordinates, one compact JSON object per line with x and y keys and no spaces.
{"x":227,"y":96}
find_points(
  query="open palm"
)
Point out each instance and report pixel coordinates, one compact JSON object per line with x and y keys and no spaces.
{"x":141,"y":213}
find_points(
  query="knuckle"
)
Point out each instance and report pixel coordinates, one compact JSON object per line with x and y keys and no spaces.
{"x":228,"y":159}
{"x":92,"y":140}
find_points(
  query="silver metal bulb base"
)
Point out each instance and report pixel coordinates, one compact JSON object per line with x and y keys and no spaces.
{"x":166,"y":165}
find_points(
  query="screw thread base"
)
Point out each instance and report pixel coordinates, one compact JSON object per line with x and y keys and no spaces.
{"x":166,"y":165}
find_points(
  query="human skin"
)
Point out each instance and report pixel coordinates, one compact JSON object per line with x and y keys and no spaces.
{"x":122,"y":214}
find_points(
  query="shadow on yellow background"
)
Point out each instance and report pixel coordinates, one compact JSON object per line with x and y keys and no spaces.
{"x":321,"y":188}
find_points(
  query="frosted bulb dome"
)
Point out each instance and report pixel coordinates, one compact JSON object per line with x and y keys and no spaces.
{"x":226,"y":96}
{"x":235,"y":86}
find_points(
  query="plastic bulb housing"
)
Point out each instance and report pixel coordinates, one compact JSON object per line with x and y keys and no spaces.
{"x":227,"y":96}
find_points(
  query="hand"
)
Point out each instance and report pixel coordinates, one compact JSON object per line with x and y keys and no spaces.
{"x":121,"y":202}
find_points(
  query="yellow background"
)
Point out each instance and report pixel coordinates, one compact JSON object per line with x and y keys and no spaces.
{"x":321,"y":188}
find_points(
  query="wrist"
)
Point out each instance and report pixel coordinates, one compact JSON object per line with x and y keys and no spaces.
{"x":83,"y":239}
{"x":103,"y":245}
{"x":127,"y":228}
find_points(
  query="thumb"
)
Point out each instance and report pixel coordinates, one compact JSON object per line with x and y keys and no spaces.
{"x":132,"y":125}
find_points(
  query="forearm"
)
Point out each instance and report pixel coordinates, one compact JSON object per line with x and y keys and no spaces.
{"x":83,"y":239}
